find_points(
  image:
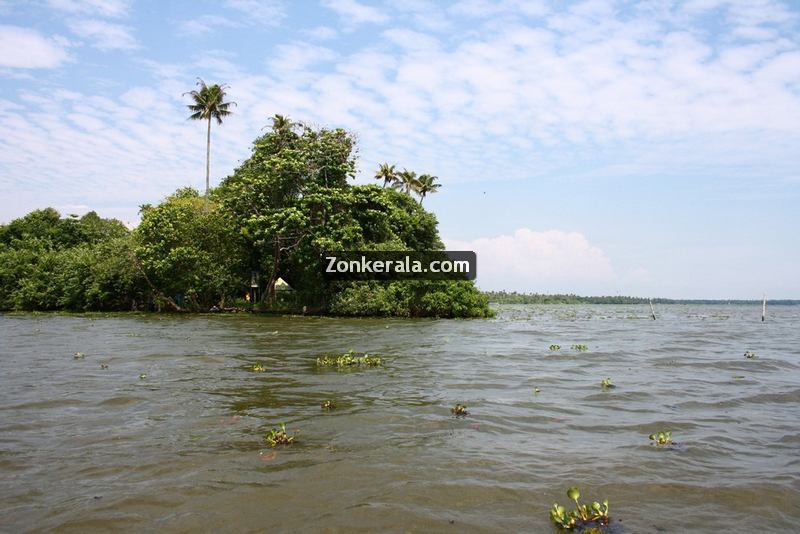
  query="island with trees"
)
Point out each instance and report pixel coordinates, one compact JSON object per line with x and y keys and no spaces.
{"x":268,"y":221}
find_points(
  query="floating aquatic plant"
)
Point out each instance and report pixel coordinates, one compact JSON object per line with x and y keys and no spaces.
{"x":103,"y":366}
{"x":459,"y":410}
{"x":750,"y":355}
{"x":328,"y":405}
{"x":142,"y":376}
{"x":79,"y":356}
{"x":349,"y":359}
{"x":582,"y":516}
{"x":606,"y":383}
{"x":279,"y":437}
{"x":371,"y":360}
{"x":580,"y":347}
{"x":555,"y":347}
{"x":661,"y":438}
{"x":258,"y":368}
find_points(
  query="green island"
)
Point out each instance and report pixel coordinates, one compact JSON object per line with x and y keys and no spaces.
{"x":266,"y":224}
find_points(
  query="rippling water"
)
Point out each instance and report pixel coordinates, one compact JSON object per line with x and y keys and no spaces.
{"x":88,"y":449}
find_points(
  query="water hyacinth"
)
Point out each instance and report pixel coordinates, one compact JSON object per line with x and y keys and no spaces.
{"x":277,"y":437}
{"x":580,"y":347}
{"x":459,"y":410}
{"x":661,"y":438}
{"x":349,"y":359}
{"x":582,"y":516}
{"x":555,"y":347}
{"x":606,"y":383}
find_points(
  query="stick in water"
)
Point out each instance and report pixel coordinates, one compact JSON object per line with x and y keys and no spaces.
{"x":764,"y":309}
{"x":652,"y":311}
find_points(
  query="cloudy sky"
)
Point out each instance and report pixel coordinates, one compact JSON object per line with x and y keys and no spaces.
{"x":596,"y":147}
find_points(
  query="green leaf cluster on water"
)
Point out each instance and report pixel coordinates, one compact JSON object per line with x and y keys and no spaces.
{"x":279,"y":436}
{"x":281,"y":208}
{"x":582,"y":516}
{"x":349,"y":359}
{"x":661,"y":438}
{"x":459,"y":410}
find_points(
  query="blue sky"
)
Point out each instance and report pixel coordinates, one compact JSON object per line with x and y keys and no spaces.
{"x":614,"y":147}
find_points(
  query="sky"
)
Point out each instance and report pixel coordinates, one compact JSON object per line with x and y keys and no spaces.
{"x":594,"y":147}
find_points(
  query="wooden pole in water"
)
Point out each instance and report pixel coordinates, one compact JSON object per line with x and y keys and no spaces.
{"x":764,"y":308}
{"x":652,"y":311}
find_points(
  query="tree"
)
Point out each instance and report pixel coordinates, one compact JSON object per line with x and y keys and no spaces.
{"x":282,"y":124}
{"x":209,"y":103}
{"x":425,"y":185}
{"x":406,"y":181}
{"x":189,"y":253}
{"x":386,"y":173}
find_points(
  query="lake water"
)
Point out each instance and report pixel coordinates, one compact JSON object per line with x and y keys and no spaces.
{"x":86,"y":449}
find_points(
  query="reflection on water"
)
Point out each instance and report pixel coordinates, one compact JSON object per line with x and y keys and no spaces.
{"x":84,"y":448}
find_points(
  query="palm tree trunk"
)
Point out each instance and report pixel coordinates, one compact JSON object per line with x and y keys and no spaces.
{"x":208,"y":155}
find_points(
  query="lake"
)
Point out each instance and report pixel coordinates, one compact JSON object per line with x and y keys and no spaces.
{"x":170,"y":437}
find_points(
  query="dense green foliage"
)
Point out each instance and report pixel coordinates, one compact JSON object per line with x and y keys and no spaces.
{"x":190,"y":253}
{"x":49,"y":263}
{"x":273,"y":217}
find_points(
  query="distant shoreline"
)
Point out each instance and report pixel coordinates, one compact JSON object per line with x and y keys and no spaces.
{"x":503,"y":297}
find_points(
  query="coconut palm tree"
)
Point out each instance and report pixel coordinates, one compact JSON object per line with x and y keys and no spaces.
{"x":406,"y":181}
{"x":426,"y":184}
{"x":209,"y":103}
{"x":386,"y":173}
{"x":282,"y":124}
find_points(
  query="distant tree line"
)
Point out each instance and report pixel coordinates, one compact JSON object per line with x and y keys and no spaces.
{"x":513,"y":297}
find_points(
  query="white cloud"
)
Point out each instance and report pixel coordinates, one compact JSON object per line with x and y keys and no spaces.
{"x":206,"y":24}
{"x":487,"y":8}
{"x":104,"y":35}
{"x":28,"y":49}
{"x":321,"y":33}
{"x":426,"y":16}
{"x":238,"y":13}
{"x":547,"y":261}
{"x":300,"y":56}
{"x":354,"y":14}
{"x":263,"y":12}
{"x":100,"y":8}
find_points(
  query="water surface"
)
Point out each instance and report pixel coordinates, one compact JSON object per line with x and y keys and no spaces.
{"x":86,"y":449}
